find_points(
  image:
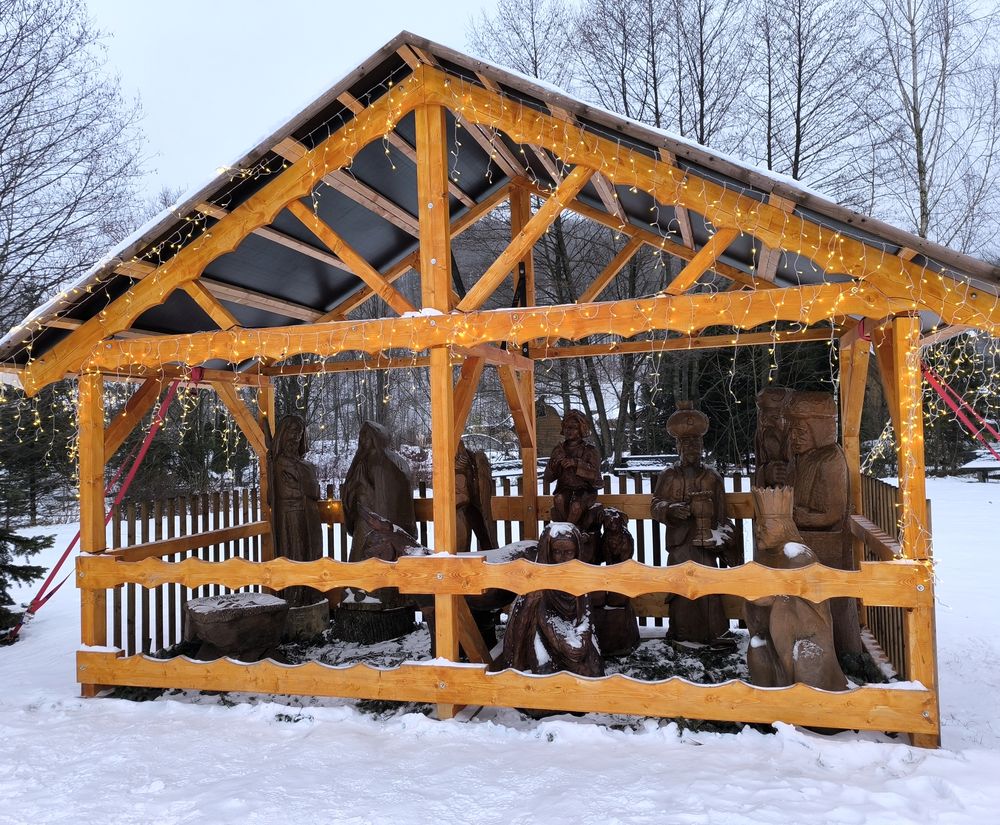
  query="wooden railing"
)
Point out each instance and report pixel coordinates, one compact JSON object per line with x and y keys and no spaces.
{"x":877,"y":529}
{"x":893,"y":583}
{"x":161,"y":562}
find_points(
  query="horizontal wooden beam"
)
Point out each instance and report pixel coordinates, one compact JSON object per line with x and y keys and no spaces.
{"x":742,"y":339}
{"x":678,"y":313}
{"x":892,"y":583}
{"x":870,"y":708}
{"x":491,"y":354}
{"x":181,"y":544}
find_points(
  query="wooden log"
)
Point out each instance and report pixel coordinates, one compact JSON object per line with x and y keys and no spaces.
{"x":679,"y":313}
{"x":870,"y":708}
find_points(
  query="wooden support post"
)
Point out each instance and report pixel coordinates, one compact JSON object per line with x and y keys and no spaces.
{"x":854,"y":358}
{"x":520,"y":214}
{"x":265,"y":417}
{"x":435,"y":278}
{"x":93,"y":603}
{"x":914,"y":532}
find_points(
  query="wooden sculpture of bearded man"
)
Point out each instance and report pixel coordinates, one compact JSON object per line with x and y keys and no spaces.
{"x":791,"y":639}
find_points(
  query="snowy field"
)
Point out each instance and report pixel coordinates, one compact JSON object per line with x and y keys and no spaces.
{"x":63,"y":759}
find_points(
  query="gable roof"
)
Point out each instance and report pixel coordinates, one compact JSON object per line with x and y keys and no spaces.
{"x":283,"y":275}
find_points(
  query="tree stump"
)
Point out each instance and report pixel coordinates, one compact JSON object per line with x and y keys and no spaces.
{"x":243,"y":626}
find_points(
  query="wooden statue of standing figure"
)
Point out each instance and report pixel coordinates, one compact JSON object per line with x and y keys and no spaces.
{"x":379,"y":480}
{"x":690,"y":499}
{"x":791,"y":639}
{"x":296,"y":525}
{"x":772,"y":452}
{"x":549,"y":630}
{"x":822,"y":500}
{"x":474,"y":499}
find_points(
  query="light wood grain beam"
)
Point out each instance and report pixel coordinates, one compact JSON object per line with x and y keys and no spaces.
{"x":359,"y":266}
{"x":526,"y":239}
{"x":520,"y":405}
{"x":138,"y":404}
{"x":257,"y":300}
{"x":258,"y":210}
{"x":743,"y":339}
{"x":680,"y":212}
{"x":943,"y":334}
{"x":704,"y":260}
{"x":210,"y":305}
{"x":956,"y":300}
{"x":744,"y":309}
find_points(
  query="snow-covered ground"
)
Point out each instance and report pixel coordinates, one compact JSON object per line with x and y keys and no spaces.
{"x":63,"y":759}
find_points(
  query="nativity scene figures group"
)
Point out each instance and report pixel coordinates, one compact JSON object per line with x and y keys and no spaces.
{"x":800,"y":495}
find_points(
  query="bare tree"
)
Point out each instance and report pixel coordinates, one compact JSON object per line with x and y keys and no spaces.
{"x":939,"y":124}
{"x":69,"y":150}
{"x":810,"y":91}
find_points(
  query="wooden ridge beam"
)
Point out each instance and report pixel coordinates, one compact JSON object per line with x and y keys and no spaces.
{"x":526,"y":238}
{"x":258,"y":210}
{"x":600,"y":283}
{"x":359,"y":266}
{"x":743,"y":339}
{"x":495,"y":148}
{"x":679,"y":313}
{"x":140,"y":403}
{"x":957,"y":301}
{"x":703,"y":260}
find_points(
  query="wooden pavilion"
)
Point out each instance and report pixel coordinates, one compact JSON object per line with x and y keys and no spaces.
{"x":373,"y":180}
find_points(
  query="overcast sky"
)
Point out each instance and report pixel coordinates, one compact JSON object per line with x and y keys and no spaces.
{"x":216,"y":76}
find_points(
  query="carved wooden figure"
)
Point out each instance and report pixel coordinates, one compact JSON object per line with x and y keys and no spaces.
{"x":297,"y":529}
{"x":695,"y":531}
{"x":575,"y":467}
{"x":549,"y":630}
{"x":474,"y":499}
{"x":615,"y":620}
{"x":380,"y":480}
{"x":822,"y":499}
{"x":771,"y":448}
{"x":791,"y":639}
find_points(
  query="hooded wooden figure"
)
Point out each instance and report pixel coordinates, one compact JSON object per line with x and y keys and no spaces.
{"x":549,"y":630}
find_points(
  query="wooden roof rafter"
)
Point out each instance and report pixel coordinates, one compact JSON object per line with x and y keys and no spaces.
{"x":831,"y":250}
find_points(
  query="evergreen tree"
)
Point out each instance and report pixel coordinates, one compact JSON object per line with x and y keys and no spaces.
{"x":11,"y":546}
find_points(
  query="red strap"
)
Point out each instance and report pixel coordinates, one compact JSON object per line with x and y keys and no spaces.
{"x":42,"y":597}
{"x":954,"y":400}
